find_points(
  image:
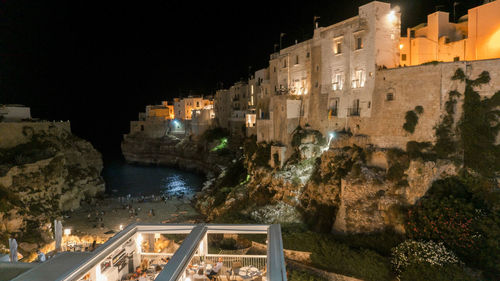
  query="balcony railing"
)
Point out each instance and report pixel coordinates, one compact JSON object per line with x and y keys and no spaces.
{"x":355,"y":111}
{"x":258,"y":261}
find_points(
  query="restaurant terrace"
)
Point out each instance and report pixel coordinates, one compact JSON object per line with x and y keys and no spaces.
{"x":147,"y":251}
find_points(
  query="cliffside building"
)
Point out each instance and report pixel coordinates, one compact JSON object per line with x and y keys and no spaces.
{"x":476,"y":36}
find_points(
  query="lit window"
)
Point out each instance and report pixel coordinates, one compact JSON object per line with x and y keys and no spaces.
{"x":338,"y":48}
{"x":359,"y":79}
{"x":337,"y":82}
{"x":359,"y":43}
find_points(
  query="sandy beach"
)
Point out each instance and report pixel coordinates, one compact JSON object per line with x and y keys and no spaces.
{"x":103,"y":219}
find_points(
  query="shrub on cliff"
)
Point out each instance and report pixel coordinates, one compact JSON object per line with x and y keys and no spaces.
{"x":215,"y":134}
{"x":411,"y":119}
{"x":333,"y":256}
{"x":412,"y":252}
{"x":295,"y":275}
{"x":416,"y":260}
{"x":462,"y":213}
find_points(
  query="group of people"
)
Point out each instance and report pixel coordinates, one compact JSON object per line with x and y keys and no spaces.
{"x":200,"y":273}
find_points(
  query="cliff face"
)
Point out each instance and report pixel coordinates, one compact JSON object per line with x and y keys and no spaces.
{"x":41,"y":178}
{"x":173,"y":152}
{"x":348,"y":189}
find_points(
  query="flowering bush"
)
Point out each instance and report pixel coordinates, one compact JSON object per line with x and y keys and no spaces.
{"x":412,"y":252}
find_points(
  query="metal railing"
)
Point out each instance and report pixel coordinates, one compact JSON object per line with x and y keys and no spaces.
{"x":258,"y":261}
{"x":355,"y":111}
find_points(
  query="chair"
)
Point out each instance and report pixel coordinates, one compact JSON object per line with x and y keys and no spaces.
{"x":235,"y":268}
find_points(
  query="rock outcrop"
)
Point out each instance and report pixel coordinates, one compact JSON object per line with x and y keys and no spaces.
{"x":173,"y":152}
{"x":339,"y":191}
{"x":42,"y":178}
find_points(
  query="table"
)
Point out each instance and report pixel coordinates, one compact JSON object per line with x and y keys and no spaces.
{"x":248,"y":272}
{"x":207,"y":268}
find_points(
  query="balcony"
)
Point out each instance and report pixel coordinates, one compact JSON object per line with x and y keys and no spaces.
{"x":354,"y":111}
{"x":171,"y":252}
{"x":332,"y":112}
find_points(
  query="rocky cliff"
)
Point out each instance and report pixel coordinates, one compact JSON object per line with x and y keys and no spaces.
{"x":40,"y":179}
{"x":348,"y":189}
{"x":192,"y":155}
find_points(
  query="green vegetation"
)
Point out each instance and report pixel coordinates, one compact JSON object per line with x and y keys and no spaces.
{"x":262,"y":155}
{"x":299,"y":134}
{"x":462,"y":212}
{"x":411,"y":118}
{"x":398,"y":161}
{"x":425,"y":271}
{"x":334,"y":256}
{"x":222,"y":144}
{"x":35,"y":150}
{"x":215,"y":134}
{"x":234,"y":175}
{"x":296,"y":275}
{"x":422,"y":150}
{"x":479,"y":127}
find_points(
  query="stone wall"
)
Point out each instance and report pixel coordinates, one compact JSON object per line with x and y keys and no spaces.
{"x":16,"y":133}
{"x":427,"y":86}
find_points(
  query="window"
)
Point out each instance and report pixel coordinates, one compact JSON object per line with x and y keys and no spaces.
{"x":197,"y":104}
{"x":274,"y":69}
{"x":338,"y":47}
{"x":403,"y":57}
{"x":412,"y":33}
{"x":308,"y":55}
{"x":296,"y":59}
{"x":337,"y":82}
{"x":284,"y":63}
{"x":359,"y":79}
{"x":359,"y":43}
{"x":389,"y":96}
{"x":456,"y":59}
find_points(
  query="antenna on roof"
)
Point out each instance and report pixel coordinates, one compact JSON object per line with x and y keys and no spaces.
{"x":455,"y":4}
{"x":315,"y":23}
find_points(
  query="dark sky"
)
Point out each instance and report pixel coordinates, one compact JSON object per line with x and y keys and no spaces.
{"x":98,"y":63}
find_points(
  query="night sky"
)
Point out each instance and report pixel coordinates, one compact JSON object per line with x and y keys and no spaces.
{"x":98,"y":63}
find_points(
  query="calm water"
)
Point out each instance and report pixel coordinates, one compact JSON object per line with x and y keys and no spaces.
{"x":122,"y":179}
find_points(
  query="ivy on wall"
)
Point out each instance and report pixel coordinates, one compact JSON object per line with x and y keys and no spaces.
{"x":474,"y":135}
{"x":411,"y":118}
{"x":479,"y":127}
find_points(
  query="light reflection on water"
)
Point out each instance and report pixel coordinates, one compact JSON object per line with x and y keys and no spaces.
{"x":122,"y":179}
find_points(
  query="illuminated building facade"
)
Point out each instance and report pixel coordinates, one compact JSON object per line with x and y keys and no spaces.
{"x":476,"y":36}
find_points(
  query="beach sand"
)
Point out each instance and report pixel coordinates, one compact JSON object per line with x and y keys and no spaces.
{"x":170,"y":211}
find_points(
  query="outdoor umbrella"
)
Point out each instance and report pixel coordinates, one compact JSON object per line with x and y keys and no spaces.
{"x":13,"y":249}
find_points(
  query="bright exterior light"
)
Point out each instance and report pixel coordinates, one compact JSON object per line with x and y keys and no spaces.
{"x":392,"y":16}
{"x":121,"y":226}
{"x":157,"y":235}
{"x":401,"y":46}
{"x":187,"y":279}
{"x":67,"y":231}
